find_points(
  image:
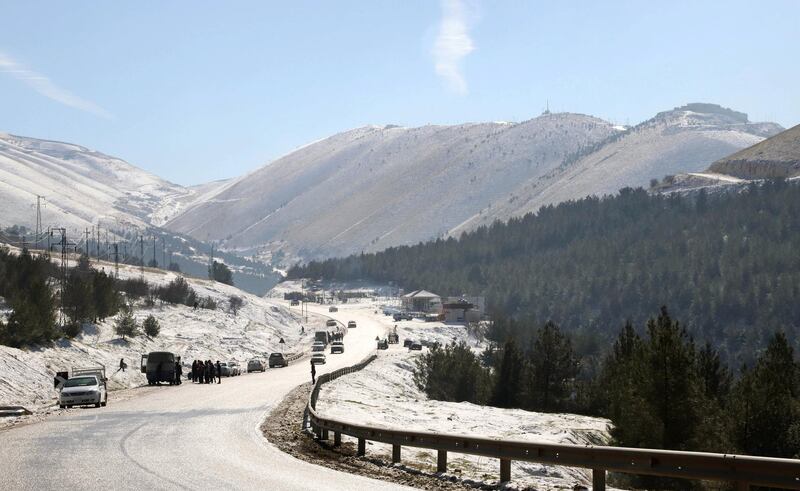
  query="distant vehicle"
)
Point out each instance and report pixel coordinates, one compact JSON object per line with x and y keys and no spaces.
{"x":317,"y":346}
{"x":224,"y":369}
{"x":407,"y":342}
{"x":294,"y":303}
{"x":87,"y":386}
{"x":234,"y":368}
{"x":333,"y":309}
{"x":401,"y":316}
{"x":330,"y":323}
{"x":159,"y":367}
{"x":383,"y":344}
{"x":415,"y":346}
{"x":318,"y":358}
{"x":322,"y":337}
{"x":337,"y":347}
{"x":393,"y":338}
{"x":277,"y":360}
{"x":351,"y":325}
{"x":389,"y":311}
{"x":255,"y":365}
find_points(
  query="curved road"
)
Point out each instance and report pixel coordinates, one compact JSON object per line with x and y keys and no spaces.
{"x":186,"y":437}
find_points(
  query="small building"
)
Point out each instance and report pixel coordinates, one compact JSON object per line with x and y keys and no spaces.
{"x":463,"y":310}
{"x":422,"y":301}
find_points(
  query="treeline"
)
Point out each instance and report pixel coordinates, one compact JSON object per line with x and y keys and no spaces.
{"x":658,"y":388}
{"x":728,"y":262}
{"x":31,"y":288}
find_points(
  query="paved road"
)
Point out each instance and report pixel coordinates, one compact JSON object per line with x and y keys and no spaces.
{"x":185,"y":437}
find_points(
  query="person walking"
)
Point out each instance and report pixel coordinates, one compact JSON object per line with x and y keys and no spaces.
{"x":122,"y":365}
{"x":219,"y":372}
{"x":313,"y":373}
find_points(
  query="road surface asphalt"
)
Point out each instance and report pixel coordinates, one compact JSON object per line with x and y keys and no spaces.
{"x":183,"y":437}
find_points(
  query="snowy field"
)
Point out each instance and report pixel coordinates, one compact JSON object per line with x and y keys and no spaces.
{"x":384,"y":394}
{"x":27,"y":374}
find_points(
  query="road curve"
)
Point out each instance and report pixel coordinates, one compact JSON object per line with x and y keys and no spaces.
{"x":186,"y":437}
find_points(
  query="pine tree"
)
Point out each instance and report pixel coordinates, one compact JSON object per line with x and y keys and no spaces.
{"x":553,"y":369}
{"x":151,"y":326}
{"x":125,"y":324}
{"x":508,"y":381}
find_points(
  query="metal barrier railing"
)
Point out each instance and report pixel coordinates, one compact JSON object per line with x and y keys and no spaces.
{"x":743,"y":470}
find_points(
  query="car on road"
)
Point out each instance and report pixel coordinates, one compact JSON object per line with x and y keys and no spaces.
{"x":294,"y":303}
{"x":234,"y":368}
{"x":330,"y":323}
{"x":351,"y":325}
{"x":415,"y":346}
{"x":393,"y":338}
{"x":333,"y":309}
{"x":159,"y":366}
{"x":383,"y":344}
{"x":337,"y":347}
{"x":403,"y":316}
{"x":82,"y":391}
{"x":317,"y":347}
{"x":255,"y":365}
{"x":277,"y":360}
{"x":224,"y":369}
{"x":318,"y":358}
{"x":407,"y":342}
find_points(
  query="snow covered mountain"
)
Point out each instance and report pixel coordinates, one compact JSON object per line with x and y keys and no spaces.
{"x":685,"y":139}
{"x":80,"y":186}
{"x":375,"y":187}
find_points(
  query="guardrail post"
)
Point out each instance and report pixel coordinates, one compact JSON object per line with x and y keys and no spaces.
{"x":337,"y":438}
{"x":598,"y":480}
{"x":505,"y":470}
{"x":441,"y":461}
{"x":396,"y":454}
{"x":362,"y":447}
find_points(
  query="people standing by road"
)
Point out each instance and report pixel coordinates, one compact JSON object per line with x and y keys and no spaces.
{"x":219,"y":372}
{"x":313,"y":373}
{"x":194,"y":371}
{"x":209,"y":372}
{"x":178,"y":372}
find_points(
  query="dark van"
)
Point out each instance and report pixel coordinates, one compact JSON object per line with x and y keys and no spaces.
{"x":159,"y":367}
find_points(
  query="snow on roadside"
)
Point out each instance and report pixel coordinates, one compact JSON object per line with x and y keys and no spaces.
{"x":384,"y":394}
{"x":26,"y":375}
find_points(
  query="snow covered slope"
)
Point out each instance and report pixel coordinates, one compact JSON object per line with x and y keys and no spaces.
{"x":80,"y":186}
{"x":685,"y":139}
{"x":374,"y":187}
{"x":778,"y":156}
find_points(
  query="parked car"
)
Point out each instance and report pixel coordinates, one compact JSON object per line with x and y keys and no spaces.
{"x":277,"y":360}
{"x":86,"y":387}
{"x":403,"y":316}
{"x":318,"y":358}
{"x":383,"y":344}
{"x":255,"y":365}
{"x":393,"y":338}
{"x":337,"y":347}
{"x":415,"y":346}
{"x":235,"y":369}
{"x":407,"y":342}
{"x":351,"y":324}
{"x":318,"y":346}
{"x":330,"y":323}
{"x":294,"y":303}
{"x":333,"y":309}
{"x":224,"y":369}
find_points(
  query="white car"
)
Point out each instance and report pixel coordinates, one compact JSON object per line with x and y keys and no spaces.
{"x":318,"y":358}
{"x":337,"y":347}
{"x":82,"y":391}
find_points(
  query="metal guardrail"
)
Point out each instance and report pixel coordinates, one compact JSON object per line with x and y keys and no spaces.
{"x":294,"y":356}
{"x":743,"y":470}
{"x":13,"y":411}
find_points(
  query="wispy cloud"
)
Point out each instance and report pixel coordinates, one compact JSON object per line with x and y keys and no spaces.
{"x":453,"y":44}
{"x":48,"y":88}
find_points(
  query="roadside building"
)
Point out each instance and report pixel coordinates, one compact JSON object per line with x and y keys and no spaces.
{"x":422,"y":301}
{"x":463,"y":310}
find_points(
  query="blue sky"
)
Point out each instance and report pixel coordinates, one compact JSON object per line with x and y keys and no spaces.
{"x":198,"y":90}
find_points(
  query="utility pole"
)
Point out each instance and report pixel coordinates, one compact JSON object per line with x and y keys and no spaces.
{"x":63,"y":271}
{"x":49,"y":234}
{"x":116,"y":260}
{"x":164,"y":253}
{"x":141,"y":264}
{"x":155,"y":263}
{"x":108,"y":256}
{"x":86,"y":246}
{"x":211,"y":264}
{"x":38,"y":219}
{"x":97,"y":242}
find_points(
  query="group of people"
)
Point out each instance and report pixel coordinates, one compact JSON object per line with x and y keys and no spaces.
{"x":204,"y":372}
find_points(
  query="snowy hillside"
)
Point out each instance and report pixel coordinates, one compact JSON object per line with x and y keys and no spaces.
{"x":384,"y":394}
{"x":374,"y":187}
{"x":80,"y":186}
{"x":27,"y":374}
{"x":686,"y":139}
